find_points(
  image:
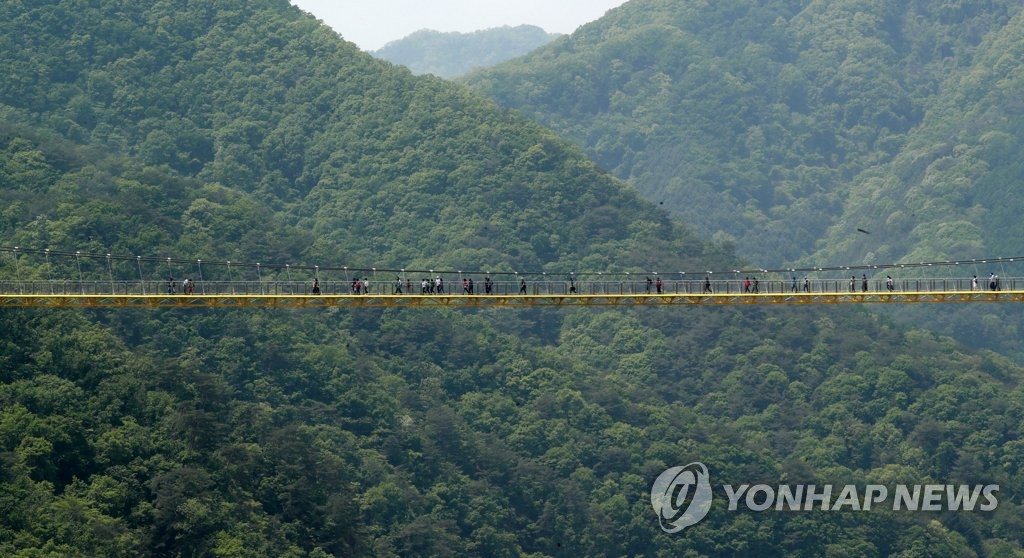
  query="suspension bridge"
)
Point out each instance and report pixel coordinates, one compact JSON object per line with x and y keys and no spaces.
{"x":50,"y":278}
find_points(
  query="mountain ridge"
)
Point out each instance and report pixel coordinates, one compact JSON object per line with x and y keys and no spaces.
{"x":765,"y":113}
{"x":451,"y":54}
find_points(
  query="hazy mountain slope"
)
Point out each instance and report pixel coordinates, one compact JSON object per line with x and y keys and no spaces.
{"x":453,"y":54}
{"x":748,"y":119}
{"x":952,"y":192}
{"x":953,"y":189}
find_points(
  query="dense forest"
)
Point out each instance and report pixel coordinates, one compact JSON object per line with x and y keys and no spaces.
{"x":795,"y":122}
{"x":453,"y":54}
{"x":246,"y":130}
{"x":785,"y":128}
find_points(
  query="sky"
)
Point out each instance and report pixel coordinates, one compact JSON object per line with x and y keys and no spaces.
{"x":371,"y":24}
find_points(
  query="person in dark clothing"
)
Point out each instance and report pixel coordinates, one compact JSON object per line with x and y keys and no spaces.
{"x":316,"y":286}
{"x":648,"y":286}
{"x":488,"y":285}
{"x":707,"y":285}
{"x":757,"y":285}
{"x":794,"y":284}
{"x":470,"y":285}
{"x":522,"y":286}
{"x":864,"y":283}
{"x":658,"y":284}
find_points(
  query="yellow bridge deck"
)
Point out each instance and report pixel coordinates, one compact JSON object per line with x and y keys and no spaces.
{"x":462,"y":300}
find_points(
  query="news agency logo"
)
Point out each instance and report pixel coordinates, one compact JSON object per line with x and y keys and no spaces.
{"x":681,"y":496}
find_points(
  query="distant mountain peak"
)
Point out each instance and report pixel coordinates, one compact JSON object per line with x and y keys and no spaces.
{"x":450,"y":54}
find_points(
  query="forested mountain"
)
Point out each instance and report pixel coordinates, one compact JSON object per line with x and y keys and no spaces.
{"x":453,"y":54}
{"x":953,"y":187}
{"x":786,"y":125}
{"x":247,"y":131}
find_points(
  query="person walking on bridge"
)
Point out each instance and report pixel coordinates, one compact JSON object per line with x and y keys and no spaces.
{"x":864,"y":283}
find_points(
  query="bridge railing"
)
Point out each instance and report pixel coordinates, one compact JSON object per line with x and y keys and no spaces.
{"x":532,"y":287}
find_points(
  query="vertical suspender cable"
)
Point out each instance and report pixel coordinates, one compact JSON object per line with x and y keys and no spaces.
{"x":49,"y":272}
{"x":17,"y":270}
{"x":81,"y":282}
{"x":142,"y":283}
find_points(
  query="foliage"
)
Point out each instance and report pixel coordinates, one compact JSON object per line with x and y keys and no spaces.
{"x":786,"y":128}
{"x":772,"y":123}
{"x":246,"y":131}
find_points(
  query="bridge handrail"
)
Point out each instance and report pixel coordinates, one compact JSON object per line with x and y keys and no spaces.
{"x":533,"y":287}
